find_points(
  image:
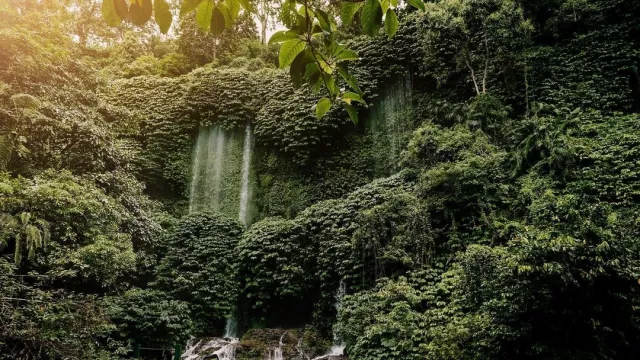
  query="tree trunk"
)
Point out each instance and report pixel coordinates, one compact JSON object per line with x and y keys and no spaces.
{"x":263,"y":25}
{"x":473,"y":76}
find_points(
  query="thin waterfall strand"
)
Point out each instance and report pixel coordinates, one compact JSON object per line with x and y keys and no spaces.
{"x":338,"y":348}
{"x":216,"y":165}
{"x":390,"y":125}
{"x":277,"y":352}
{"x":207,"y":170}
{"x":231,"y":328}
{"x":199,"y":159}
{"x":246,"y":168}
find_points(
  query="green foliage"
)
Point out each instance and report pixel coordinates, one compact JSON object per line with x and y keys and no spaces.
{"x":28,"y":236}
{"x":289,"y":261}
{"x":199,"y":268}
{"x":273,"y":257}
{"x":511,"y":231}
{"x":382,"y":323}
{"x":87,"y":243}
{"x":478,"y":37}
{"x":41,"y":323}
{"x":150,"y":317}
{"x":144,"y":65}
{"x":175,"y":64}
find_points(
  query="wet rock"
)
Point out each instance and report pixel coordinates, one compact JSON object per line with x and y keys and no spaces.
{"x":264,"y":344}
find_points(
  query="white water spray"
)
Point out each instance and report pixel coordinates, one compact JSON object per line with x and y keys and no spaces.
{"x":199,"y":158}
{"x":338,"y":348}
{"x":228,"y":351}
{"x":246,"y":168}
{"x":221,"y":172}
{"x":277,"y":352}
{"x":231,"y":328}
{"x":223,"y":349}
{"x":216,"y":166}
{"x":208,"y":166}
{"x":190,"y":352}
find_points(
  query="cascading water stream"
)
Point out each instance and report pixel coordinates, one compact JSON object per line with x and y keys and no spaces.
{"x":199,"y":158}
{"x":277,"y":352}
{"x":246,"y":168}
{"x":212,"y":177}
{"x":390,"y":124}
{"x":208,"y":166}
{"x":228,"y":351}
{"x":231,"y":328}
{"x":216,"y":147}
{"x":221,"y":172}
{"x":338,"y":348}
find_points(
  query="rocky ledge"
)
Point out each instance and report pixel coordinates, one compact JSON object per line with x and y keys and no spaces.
{"x":265,"y":344}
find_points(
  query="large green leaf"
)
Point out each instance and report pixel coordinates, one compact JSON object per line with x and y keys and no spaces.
{"x":298,"y":66}
{"x":346,"y":55}
{"x":289,"y":50}
{"x":353,"y":113}
{"x":122,"y":8}
{"x":204,"y":13}
{"x":140,"y":12}
{"x":324,"y":20}
{"x":391,"y":23}
{"x":311,"y":72}
{"x":218,"y":20}
{"x":110,"y":14}
{"x":188,"y":6}
{"x":418,"y":4}
{"x":288,"y":12}
{"x":226,"y":14}
{"x":247,"y":5}
{"x":306,"y":12}
{"x":325,"y":67}
{"x":348,"y":97}
{"x":384,"y":4}
{"x":162,"y":14}
{"x":348,"y":11}
{"x":371,"y":17}
{"x":322,"y":107}
{"x":330,"y":83}
{"x":233,"y":7}
{"x":281,"y":36}
{"x":349,"y":79}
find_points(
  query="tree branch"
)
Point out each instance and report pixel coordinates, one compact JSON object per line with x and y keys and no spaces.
{"x":473,"y":75}
{"x":313,"y":51}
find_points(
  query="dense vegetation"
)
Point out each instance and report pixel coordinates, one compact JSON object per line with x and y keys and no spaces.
{"x":485,"y":206}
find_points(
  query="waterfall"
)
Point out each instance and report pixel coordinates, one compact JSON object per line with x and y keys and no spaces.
{"x":199,"y":159}
{"x":221,"y":348}
{"x":277,"y":352}
{"x":231,"y":328}
{"x":246,"y":168}
{"x":190,"y":352}
{"x":390,"y":124}
{"x":221,"y":172}
{"x":216,"y":154}
{"x":208,"y":165}
{"x":221,"y":181}
{"x":338,"y":348}
{"x":227,"y":352}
